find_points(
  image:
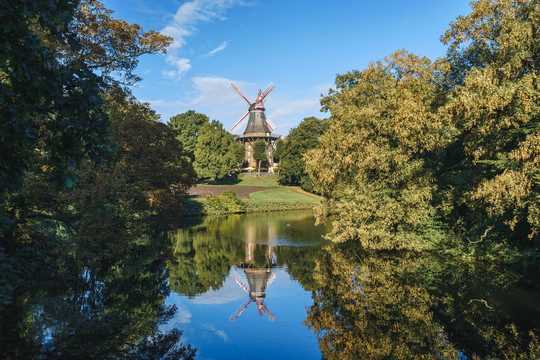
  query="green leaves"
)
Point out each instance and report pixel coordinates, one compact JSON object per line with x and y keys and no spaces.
{"x":213,"y":159}
{"x":291,"y":151}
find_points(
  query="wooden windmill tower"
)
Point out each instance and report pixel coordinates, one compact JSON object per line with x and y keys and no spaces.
{"x":258,"y":127}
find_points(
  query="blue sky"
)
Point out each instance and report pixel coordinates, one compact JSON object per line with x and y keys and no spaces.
{"x":298,"y":45}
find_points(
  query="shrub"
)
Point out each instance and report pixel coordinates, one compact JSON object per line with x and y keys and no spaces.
{"x":226,"y":203}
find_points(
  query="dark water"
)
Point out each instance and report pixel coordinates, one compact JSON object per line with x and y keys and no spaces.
{"x":268,"y":286}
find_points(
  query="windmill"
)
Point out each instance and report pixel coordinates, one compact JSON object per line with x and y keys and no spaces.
{"x":258,"y":126}
{"x":257,"y":120}
{"x":258,"y":281}
{"x":257,"y":296}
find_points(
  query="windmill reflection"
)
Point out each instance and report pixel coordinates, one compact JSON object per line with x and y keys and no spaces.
{"x":258,"y":278}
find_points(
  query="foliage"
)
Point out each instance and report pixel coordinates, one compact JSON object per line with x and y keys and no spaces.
{"x":271,"y":205}
{"x":225,"y":203}
{"x":449,"y":148}
{"x":259,"y":153}
{"x":372,"y":161}
{"x":302,"y":138}
{"x":57,"y":133}
{"x":213,"y":160}
{"x":238,"y":151}
{"x":188,"y":125}
{"x":491,"y":176}
{"x":50,"y":108}
{"x":278,"y":151}
{"x":109,"y":45}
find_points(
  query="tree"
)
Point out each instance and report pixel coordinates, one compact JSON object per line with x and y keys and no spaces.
{"x":259,"y":153}
{"x":491,"y":171}
{"x":48,"y":106}
{"x":300,"y":139}
{"x":188,"y":125}
{"x":54,"y":126}
{"x":238,"y":150}
{"x":110,"y":46}
{"x":372,"y":163}
{"x":278,"y":151}
{"x":213,"y":160}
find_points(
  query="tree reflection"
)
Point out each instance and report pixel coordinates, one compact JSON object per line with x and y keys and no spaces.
{"x":376,"y":306}
{"x":107,"y":311}
{"x":203,"y":255}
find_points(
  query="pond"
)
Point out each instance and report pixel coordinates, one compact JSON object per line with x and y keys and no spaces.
{"x":269,"y":286}
{"x":242,"y":284}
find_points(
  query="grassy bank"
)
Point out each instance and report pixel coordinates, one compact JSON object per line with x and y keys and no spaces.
{"x":247,"y":180}
{"x":276,"y":199}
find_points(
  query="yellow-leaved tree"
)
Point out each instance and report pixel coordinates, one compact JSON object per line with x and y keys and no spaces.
{"x":371,"y":165}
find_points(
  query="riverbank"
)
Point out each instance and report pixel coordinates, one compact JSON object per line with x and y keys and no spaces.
{"x":251,"y":194}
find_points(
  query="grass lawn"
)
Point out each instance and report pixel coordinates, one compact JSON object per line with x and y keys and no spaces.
{"x":254,"y":180}
{"x":283,"y":194}
{"x":246,"y":180}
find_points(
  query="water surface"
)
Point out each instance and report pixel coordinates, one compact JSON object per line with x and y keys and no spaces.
{"x":249,"y":281}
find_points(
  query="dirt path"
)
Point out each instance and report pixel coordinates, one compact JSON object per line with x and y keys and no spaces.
{"x":200,"y":191}
{"x":299,"y":189}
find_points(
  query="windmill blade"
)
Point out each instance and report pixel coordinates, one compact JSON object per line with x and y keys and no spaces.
{"x":270,"y":280}
{"x":266,"y":91}
{"x":239,"y":121}
{"x":267,"y":312}
{"x":239,"y":312}
{"x":244,"y":287}
{"x":234,"y":88}
{"x":270,"y":126}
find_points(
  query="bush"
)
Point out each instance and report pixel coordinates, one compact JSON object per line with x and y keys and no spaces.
{"x":226,"y":203}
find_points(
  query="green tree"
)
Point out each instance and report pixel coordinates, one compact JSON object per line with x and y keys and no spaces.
{"x":491,"y":173}
{"x":373,"y":161}
{"x":47,"y":105}
{"x":259,"y":153}
{"x":278,"y":151}
{"x":188,"y":125}
{"x":55,"y":125}
{"x":302,"y":138}
{"x":238,"y":150}
{"x":213,"y":160}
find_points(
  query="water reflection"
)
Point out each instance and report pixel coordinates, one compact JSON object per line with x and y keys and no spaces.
{"x":360,"y":305}
{"x":258,"y":280}
{"x":227,"y":272}
{"x":411,"y":306}
{"x":108,"y":309}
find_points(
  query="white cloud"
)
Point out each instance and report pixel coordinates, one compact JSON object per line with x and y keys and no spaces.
{"x":185,"y":23}
{"x":212,"y":96}
{"x":215,"y":91}
{"x":216,"y":331}
{"x":295,"y":110}
{"x":182,"y":66}
{"x":216,"y":50}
